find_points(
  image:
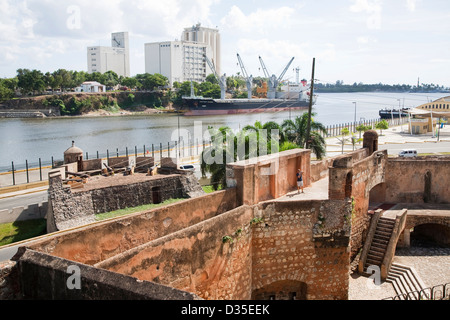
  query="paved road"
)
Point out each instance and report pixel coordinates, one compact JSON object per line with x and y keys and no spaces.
{"x":23,"y":200}
{"x":426,"y":147}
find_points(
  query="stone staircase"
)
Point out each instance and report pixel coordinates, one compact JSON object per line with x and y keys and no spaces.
{"x":406,"y":282}
{"x":380,"y":242}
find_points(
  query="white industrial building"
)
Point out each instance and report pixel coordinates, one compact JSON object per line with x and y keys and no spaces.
{"x":185,"y":60}
{"x":115,"y":58}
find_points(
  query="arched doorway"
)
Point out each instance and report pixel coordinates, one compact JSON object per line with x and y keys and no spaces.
{"x":378,"y":193}
{"x":430,"y":234}
{"x":281,"y":290}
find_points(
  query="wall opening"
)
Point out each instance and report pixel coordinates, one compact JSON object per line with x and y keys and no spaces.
{"x":281,"y":290}
{"x":430,"y":235}
{"x":156,"y":195}
{"x":427,"y":188}
{"x":348,"y":185}
{"x":378,"y":193}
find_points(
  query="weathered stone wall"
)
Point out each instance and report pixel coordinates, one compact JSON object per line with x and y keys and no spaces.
{"x":248,"y":249}
{"x":353,"y":180}
{"x":268,"y":177}
{"x":302,"y":244}
{"x":196,"y":259}
{"x":420,"y":180}
{"x":45,"y":277}
{"x":65,"y":209}
{"x":96,"y":242}
{"x":319,"y":169}
{"x":70,"y":208}
{"x":366,"y":174}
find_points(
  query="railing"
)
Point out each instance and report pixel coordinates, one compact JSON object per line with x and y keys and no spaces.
{"x":37,"y":171}
{"x":438,"y":292}
{"x":335,"y":130}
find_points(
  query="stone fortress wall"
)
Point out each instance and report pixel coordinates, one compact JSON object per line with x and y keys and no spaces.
{"x":240,"y":243}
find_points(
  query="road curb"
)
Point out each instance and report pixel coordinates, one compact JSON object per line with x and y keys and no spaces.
{"x":22,"y":187}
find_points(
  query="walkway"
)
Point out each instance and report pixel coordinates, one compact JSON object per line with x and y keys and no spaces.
{"x":393,"y":135}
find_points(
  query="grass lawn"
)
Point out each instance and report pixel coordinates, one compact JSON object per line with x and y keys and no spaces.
{"x":21,"y":230}
{"x":122,"y":212}
{"x":209,"y":189}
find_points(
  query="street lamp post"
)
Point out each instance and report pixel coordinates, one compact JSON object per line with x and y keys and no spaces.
{"x":354,"y":121}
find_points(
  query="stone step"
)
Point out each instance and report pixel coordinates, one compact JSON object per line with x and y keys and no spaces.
{"x":375,"y":262}
{"x":383,"y":229}
{"x":387,"y":220}
{"x":405,"y":281}
{"x":375,"y":256}
{"x":380,"y":242}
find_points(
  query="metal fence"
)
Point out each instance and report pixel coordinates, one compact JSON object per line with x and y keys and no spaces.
{"x":438,"y":292}
{"x":38,"y":171}
{"x":19,"y":173}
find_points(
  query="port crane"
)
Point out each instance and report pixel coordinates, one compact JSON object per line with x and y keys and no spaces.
{"x":222,"y":80}
{"x":249,"y":80}
{"x":273,"y":80}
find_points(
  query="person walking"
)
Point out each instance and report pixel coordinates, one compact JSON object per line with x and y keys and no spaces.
{"x":299,"y":180}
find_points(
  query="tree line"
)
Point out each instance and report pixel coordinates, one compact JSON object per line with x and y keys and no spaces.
{"x":339,"y":86}
{"x":35,"y":82}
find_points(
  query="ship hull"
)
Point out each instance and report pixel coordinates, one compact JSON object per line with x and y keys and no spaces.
{"x":204,"y":107}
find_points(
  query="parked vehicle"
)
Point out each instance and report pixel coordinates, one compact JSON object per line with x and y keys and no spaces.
{"x":187,"y":167}
{"x":408,"y":153}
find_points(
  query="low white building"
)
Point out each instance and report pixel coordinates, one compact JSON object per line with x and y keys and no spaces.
{"x":91,"y":86}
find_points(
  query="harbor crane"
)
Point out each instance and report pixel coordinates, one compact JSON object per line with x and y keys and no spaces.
{"x":273,"y":80}
{"x":222,"y":80}
{"x":266,"y":73}
{"x":249,"y":80}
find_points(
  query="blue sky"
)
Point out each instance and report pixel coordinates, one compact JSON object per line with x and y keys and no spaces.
{"x":370,"y":41}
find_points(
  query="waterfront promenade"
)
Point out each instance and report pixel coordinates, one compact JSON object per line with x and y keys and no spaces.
{"x":393,"y":136}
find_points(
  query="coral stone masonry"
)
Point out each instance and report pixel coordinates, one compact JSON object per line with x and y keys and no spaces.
{"x":258,"y":239}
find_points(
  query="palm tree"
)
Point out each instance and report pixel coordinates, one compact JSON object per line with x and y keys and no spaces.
{"x":226,"y":147}
{"x":295,"y":131}
{"x":214,"y":157}
{"x":270,"y":127}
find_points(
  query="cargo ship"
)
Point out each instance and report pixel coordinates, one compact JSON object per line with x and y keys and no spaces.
{"x":200,"y":106}
{"x":394,"y":113}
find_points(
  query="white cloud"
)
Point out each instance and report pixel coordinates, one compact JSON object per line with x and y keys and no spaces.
{"x":259,"y":21}
{"x":411,"y":5}
{"x":373,"y":10}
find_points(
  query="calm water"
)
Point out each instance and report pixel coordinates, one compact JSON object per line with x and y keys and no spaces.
{"x":31,"y":139}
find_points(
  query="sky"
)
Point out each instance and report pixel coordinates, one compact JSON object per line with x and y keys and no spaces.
{"x":368,"y":41}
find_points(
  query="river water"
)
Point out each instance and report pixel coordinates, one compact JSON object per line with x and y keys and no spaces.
{"x":31,"y":139}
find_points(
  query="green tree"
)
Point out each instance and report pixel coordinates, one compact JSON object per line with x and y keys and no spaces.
{"x":5,"y":92}
{"x":344,"y":133}
{"x":226,"y":147}
{"x":64,"y":78}
{"x":131,"y":83}
{"x":271,"y":138}
{"x":382,"y":125}
{"x":362,"y":128}
{"x":30,"y":81}
{"x":111,"y":79}
{"x":211,"y":78}
{"x":295,"y":131}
